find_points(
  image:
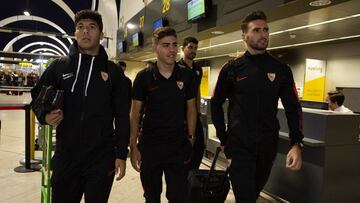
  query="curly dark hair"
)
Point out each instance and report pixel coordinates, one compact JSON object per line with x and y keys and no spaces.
{"x":89,"y":14}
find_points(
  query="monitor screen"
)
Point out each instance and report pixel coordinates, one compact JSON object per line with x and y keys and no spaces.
{"x":161,"y":22}
{"x":137,"y":39}
{"x":196,"y":9}
{"x":121,"y":46}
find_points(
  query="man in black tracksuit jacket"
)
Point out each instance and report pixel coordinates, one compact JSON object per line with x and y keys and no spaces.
{"x":168,"y":93}
{"x":89,"y":151}
{"x":189,"y":47}
{"x":253,"y":83}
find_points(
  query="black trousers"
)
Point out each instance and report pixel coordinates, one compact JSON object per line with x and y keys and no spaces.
{"x":175,"y":177}
{"x":199,"y":146}
{"x":71,"y":179}
{"x":250,"y":172}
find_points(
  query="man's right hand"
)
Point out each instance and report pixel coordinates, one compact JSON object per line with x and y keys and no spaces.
{"x":55,"y":117}
{"x":135,"y":158}
{"x":228,"y":160}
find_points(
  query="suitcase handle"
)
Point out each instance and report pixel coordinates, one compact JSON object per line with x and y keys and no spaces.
{"x":212,"y":168}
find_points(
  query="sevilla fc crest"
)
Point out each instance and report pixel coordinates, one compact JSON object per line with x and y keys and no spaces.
{"x":180,"y":84}
{"x":271,"y":76}
{"x":104,"y":76}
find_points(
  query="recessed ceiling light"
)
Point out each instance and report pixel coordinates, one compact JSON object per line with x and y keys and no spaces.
{"x":292,"y":35}
{"x":320,"y":3}
{"x":217,"y":32}
{"x":26,"y":13}
{"x":130,"y":26}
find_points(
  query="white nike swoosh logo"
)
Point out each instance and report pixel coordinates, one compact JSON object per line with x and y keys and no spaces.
{"x":67,"y":75}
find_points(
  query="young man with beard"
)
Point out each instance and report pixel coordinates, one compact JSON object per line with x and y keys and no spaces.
{"x":89,"y":151}
{"x":168,"y":93}
{"x":189,"y":47}
{"x":253,"y":84}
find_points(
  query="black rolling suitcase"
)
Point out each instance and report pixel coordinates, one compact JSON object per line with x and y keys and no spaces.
{"x":208,"y":186}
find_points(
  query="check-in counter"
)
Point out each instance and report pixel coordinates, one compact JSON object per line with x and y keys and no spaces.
{"x":331,"y":163}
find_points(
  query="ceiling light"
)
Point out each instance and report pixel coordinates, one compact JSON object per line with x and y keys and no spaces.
{"x":292,"y":35}
{"x":320,"y":3}
{"x":287,"y":30}
{"x":217,"y":32}
{"x":26,"y":13}
{"x":5,"y":30}
{"x":130,"y":26}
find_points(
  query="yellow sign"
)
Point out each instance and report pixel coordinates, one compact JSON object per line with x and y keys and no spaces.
{"x":24,"y":63}
{"x":166,"y":6}
{"x":314,"y":87}
{"x":142,"y":21}
{"x":204,"y":85}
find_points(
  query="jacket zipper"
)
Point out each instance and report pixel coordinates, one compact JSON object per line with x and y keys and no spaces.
{"x":83,"y":98}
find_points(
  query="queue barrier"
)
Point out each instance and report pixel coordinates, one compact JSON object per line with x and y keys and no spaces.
{"x":29,"y":137}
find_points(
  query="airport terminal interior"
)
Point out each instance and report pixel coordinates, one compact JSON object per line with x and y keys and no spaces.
{"x":318,"y":39}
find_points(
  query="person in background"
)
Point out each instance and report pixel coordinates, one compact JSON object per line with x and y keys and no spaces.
{"x":189,"y":47}
{"x":149,"y":64}
{"x":122,"y":66}
{"x":92,"y":127}
{"x":336,"y":100}
{"x":253,"y":83}
{"x":168,"y":93}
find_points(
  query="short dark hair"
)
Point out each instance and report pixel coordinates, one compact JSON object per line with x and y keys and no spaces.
{"x":336,"y":96}
{"x":89,"y":14}
{"x":256,"y":15}
{"x":122,"y":64}
{"x":188,"y":40}
{"x":163,"y":32}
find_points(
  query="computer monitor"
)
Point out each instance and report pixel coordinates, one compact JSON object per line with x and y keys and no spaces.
{"x":161,"y":22}
{"x":137,"y":39}
{"x":197,"y":9}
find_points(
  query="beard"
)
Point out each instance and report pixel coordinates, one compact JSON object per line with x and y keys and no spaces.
{"x":260,"y":45}
{"x":191,"y":56}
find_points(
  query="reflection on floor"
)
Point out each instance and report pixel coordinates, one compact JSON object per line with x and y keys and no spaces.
{"x":25,"y":187}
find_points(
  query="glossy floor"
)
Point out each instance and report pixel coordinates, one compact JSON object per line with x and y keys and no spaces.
{"x":25,"y":187}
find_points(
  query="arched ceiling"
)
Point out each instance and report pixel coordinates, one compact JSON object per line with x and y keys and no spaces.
{"x":48,"y":23}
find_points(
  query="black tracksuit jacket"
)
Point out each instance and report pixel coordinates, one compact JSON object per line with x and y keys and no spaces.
{"x":253,"y":84}
{"x":96,"y":105}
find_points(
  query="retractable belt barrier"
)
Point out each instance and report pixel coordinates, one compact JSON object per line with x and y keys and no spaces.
{"x":15,"y":88}
{"x":29,"y":137}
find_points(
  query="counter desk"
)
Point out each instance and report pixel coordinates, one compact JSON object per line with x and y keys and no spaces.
{"x":331,"y":162}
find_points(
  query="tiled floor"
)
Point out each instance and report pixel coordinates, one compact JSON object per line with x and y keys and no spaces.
{"x":25,"y":187}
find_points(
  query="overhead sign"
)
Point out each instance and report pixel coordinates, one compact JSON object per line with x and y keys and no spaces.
{"x":142,"y":21}
{"x":166,"y":6}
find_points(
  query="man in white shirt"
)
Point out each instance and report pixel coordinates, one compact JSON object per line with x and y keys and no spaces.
{"x":336,"y":100}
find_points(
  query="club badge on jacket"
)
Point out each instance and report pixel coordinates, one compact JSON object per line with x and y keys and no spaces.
{"x":271,"y":76}
{"x":180,"y":84}
{"x":104,"y":76}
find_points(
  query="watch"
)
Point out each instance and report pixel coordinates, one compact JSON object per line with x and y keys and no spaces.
{"x":191,"y":136}
{"x":300,"y":144}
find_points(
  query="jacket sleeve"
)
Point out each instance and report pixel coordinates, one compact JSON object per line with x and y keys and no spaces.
{"x":47,"y":78}
{"x":121,"y":102}
{"x":221,"y":92}
{"x":293,"y":111}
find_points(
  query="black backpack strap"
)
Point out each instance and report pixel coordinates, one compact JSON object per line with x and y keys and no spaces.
{"x":231,"y":73}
